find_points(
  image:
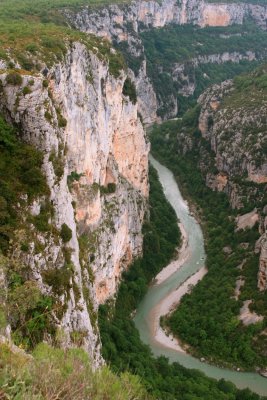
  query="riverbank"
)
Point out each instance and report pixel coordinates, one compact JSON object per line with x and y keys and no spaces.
{"x":150,"y":307}
{"x":183,"y":254}
{"x":169,"y":304}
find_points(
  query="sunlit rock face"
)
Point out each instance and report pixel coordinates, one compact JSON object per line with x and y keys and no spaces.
{"x":123,"y":23}
{"x":102,"y":144}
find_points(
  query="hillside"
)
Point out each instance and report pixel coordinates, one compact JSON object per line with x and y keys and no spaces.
{"x":219,"y":157}
{"x":84,"y":223}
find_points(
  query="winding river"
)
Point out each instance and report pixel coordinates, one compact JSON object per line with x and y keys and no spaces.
{"x":170,"y":284}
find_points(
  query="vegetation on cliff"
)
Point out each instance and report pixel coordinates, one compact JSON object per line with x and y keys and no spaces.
{"x":207,"y":318}
{"x":52,"y":36}
{"x":167,"y":47}
{"x":122,"y":347}
{"x":52,"y":373}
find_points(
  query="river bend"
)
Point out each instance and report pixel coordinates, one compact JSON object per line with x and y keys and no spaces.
{"x":192,"y":262}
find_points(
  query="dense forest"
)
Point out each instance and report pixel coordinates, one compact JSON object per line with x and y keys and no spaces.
{"x":122,"y":347}
{"x":169,"y":47}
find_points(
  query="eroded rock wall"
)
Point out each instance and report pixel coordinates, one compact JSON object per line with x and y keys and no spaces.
{"x":96,"y":166}
{"x":123,"y":23}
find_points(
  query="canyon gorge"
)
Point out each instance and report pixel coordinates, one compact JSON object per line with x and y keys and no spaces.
{"x":84,"y":93}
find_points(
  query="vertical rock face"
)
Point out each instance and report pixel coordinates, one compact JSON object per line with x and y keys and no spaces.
{"x":223,"y":14}
{"x":233,"y":120}
{"x":96,"y":165}
{"x":122,"y":24}
{"x":262,"y":275}
{"x":227,"y":126}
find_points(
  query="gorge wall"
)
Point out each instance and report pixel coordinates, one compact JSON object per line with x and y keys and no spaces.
{"x":233,"y":120}
{"x":96,"y":167}
{"x":79,"y":116}
{"x":123,"y":24}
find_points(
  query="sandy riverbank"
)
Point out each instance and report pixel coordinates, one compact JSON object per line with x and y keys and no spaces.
{"x":184,"y":253}
{"x":171,"y":301}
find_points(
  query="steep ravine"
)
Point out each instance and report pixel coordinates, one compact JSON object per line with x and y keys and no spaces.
{"x":123,"y":24}
{"x":147,"y":311}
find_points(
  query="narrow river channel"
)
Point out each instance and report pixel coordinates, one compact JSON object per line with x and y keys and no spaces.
{"x":145,"y":316}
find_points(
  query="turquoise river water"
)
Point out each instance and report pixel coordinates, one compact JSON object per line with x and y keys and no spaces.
{"x":156,"y":293}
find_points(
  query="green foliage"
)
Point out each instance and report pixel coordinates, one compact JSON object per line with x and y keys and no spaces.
{"x":45,"y":83}
{"x":250,"y":91}
{"x":52,"y":37}
{"x":42,"y":220}
{"x":73,"y":177}
{"x":29,"y":311}
{"x":129,"y":90}
{"x":58,"y":163}
{"x":26,"y":90}
{"x":207,"y":318}
{"x":20,"y":174}
{"x":62,"y":122}
{"x":110,"y":188}
{"x":59,"y":278}
{"x":180,"y":44}
{"x":122,"y":346}
{"x":14,"y":78}
{"x":57,"y":374}
{"x":65,"y":233}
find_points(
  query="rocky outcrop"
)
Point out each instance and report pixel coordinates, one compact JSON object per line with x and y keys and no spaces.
{"x":96,"y":166}
{"x":248,"y":220}
{"x":262,"y":275}
{"x":184,"y":72}
{"x":233,"y":120}
{"x":123,"y":23}
{"x":147,"y":99}
{"x":227,"y":126}
{"x":114,"y":21}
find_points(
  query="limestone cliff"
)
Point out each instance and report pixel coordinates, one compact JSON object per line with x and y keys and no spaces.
{"x":122,"y":24}
{"x":233,"y":120}
{"x":96,"y":165}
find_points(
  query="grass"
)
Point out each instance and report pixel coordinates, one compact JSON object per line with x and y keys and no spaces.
{"x":46,"y":10}
{"x":49,"y":44}
{"x":52,"y":37}
{"x":250,"y":91}
{"x":57,"y":374}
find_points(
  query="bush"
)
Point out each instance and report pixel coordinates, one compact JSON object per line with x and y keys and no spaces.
{"x":129,"y":90}
{"x":14,"y":79}
{"x":26,"y":90}
{"x":62,"y":122}
{"x":65,"y":233}
{"x":58,"y":278}
{"x":32,"y":48}
{"x":20,"y":173}
{"x":111,"y":187}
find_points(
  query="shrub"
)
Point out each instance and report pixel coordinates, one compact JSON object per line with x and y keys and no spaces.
{"x":53,"y":373}
{"x":42,"y":221}
{"x":59,"y":278}
{"x":45,"y":83}
{"x":65,"y":233}
{"x":62,"y":122}
{"x":26,"y":90}
{"x":32,"y":48}
{"x":58,"y":164}
{"x":111,"y":187}
{"x":29,"y":310}
{"x":129,"y":90}
{"x":48,"y":116}
{"x":14,"y":79}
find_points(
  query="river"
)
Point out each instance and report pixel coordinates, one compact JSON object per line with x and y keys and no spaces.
{"x":195,"y":260}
